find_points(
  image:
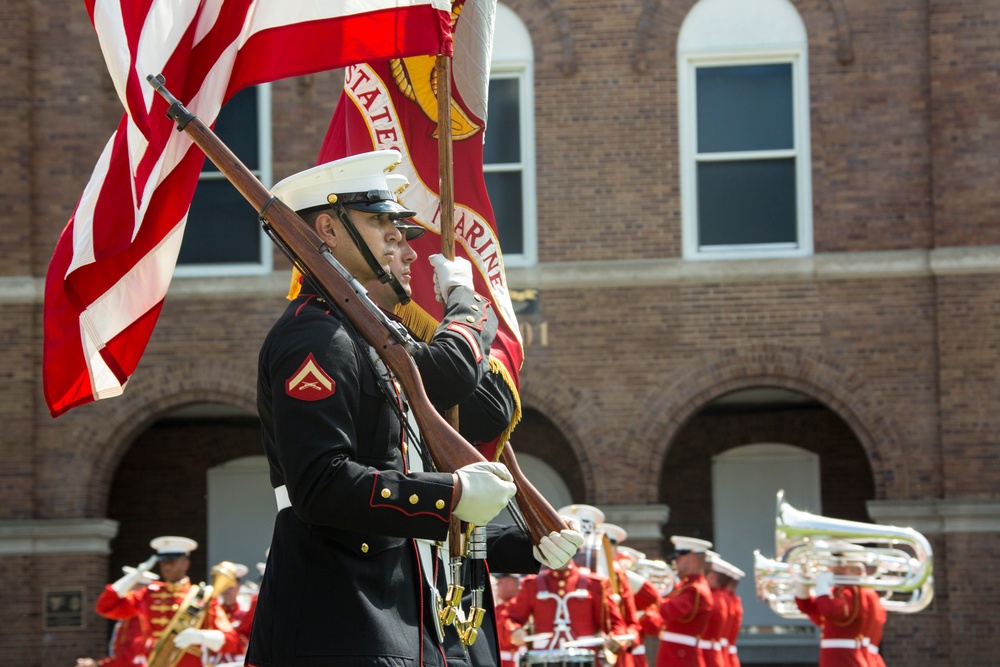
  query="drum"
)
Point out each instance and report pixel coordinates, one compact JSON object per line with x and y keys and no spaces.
{"x":566,"y":657}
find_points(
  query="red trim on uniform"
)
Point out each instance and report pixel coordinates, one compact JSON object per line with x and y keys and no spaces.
{"x":374,"y":501}
{"x":469,"y":338}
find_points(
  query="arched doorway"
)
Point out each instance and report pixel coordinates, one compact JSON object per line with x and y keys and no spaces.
{"x":161,"y":484}
{"x":719,"y":479}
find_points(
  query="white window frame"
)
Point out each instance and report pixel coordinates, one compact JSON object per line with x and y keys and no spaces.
{"x":743,"y":32}
{"x":512,"y":57}
{"x":522,"y":72}
{"x":265,"y":173}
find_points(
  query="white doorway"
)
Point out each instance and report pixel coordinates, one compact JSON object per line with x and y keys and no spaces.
{"x":241,"y":511}
{"x":745,"y":483}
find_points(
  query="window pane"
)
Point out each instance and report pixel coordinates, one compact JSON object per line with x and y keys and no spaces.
{"x":749,"y":201}
{"x":222,"y":227}
{"x":503,"y":130}
{"x":237,"y":126}
{"x":745,"y":108}
{"x":505,"y":195}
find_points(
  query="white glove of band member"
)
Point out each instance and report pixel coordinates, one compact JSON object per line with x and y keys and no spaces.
{"x":486,"y":488}
{"x":801,"y":590}
{"x":449,"y":273}
{"x":824,"y":584}
{"x":556,"y":549}
{"x":125,"y":584}
{"x":210,"y":639}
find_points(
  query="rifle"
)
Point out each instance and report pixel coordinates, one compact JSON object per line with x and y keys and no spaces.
{"x":300,"y":243}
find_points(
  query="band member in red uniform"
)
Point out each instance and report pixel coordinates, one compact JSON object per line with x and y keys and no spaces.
{"x":839,"y":612}
{"x":876,"y":614}
{"x":127,"y":646}
{"x":571,"y":603}
{"x":156,"y":604}
{"x":635,"y":656}
{"x":239,"y":614}
{"x":687,"y":610}
{"x":647,"y":611}
{"x":732,"y":631}
{"x":505,"y":590}
{"x":710,"y":643}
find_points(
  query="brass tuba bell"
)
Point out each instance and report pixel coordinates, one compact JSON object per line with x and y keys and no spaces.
{"x":895,"y":561}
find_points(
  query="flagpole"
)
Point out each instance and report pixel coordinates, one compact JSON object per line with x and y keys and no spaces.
{"x":446,"y":179}
{"x":445,"y":156}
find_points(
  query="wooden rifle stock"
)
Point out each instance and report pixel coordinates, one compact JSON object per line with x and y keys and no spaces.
{"x":448,"y":449}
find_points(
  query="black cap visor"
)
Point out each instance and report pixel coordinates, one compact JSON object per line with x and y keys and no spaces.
{"x":409,"y":229}
{"x":393,"y":209}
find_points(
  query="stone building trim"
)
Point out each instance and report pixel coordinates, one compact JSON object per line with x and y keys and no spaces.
{"x":844,"y":391}
{"x":935,"y":516}
{"x":984,"y":260}
{"x":57,"y":536}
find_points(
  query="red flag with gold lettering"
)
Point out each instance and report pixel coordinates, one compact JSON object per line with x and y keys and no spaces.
{"x":392,"y":104}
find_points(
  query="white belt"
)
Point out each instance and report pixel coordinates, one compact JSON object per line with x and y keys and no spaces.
{"x":839,"y":643}
{"x":723,"y":643}
{"x":506,"y":655}
{"x":708,"y":645}
{"x":281,"y":497}
{"x":732,"y":650}
{"x":678,"y":638}
{"x":639,"y":650}
{"x":872,"y":649}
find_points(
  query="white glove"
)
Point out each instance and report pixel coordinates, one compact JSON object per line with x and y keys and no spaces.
{"x":801,"y":590}
{"x":125,"y":584}
{"x":449,"y":273}
{"x":824,"y":584}
{"x":486,"y":488}
{"x":210,"y":639}
{"x":556,"y":549}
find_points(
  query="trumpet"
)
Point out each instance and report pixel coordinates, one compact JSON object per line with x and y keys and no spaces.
{"x":897,"y":562}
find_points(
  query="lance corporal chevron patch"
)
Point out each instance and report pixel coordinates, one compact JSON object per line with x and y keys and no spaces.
{"x":310,"y":382}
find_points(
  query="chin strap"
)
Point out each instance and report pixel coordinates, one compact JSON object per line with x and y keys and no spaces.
{"x":366,"y":252}
{"x":401,"y":294}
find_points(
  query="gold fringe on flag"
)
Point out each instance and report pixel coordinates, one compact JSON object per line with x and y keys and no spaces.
{"x":296,"y":285}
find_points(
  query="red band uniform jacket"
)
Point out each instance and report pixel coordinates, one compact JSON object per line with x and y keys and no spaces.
{"x":686,"y":612}
{"x":840,"y":616}
{"x":587,"y":597}
{"x":155,"y":606}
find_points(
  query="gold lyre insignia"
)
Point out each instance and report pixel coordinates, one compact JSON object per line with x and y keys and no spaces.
{"x":416,"y":78}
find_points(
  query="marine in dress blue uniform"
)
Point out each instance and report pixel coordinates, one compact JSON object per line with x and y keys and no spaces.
{"x":344,"y":583}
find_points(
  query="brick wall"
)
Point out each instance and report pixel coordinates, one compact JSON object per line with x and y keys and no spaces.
{"x":904,"y":157}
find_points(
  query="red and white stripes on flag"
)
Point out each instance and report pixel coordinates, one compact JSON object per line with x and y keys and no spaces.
{"x":113,"y":262}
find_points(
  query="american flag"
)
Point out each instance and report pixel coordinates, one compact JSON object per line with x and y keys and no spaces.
{"x":114,"y":260}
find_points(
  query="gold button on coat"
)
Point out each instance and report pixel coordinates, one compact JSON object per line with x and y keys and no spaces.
{"x":439,"y":504}
{"x":386,"y":493}
{"x":414,"y":499}
{"x":470,"y":318}
{"x":364,"y":547}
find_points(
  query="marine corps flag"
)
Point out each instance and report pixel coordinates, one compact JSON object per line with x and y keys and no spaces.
{"x":113,"y":263}
{"x":393,"y":104}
